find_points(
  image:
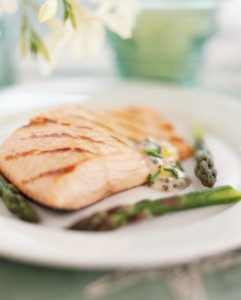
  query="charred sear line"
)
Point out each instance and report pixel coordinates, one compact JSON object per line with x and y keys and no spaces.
{"x":130,"y":126}
{"x":62,"y":135}
{"x":50,"y":135}
{"x":86,"y":138}
{"x":21,"y":154}
{"x":61,"y":150}
{"x":167,"y":126}
{"x":100,"y":124}
{"x":80,"y":117}
{"x":39,"y":122}
{"x":42,"y":152}
{"x":60,"y":171}
{"x":84,"y":127}
{"x":119,"y":140}
{"x":45,"y":121}
{"x":176,"y":139}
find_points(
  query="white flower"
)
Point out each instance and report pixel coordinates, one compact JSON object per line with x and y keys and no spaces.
{"x":85,"y":40}
{"x":88,"y":39}
{"x":89,"y":36}
{"x":56,"y":43}
{"x":118,"y":15}
{"x":10,"y":6}
{"x":48,"y":10}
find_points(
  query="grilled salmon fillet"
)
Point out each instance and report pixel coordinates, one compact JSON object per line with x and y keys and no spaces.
{"x":71,"y":157}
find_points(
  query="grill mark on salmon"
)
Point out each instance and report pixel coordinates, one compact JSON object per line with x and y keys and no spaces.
{"x":86,"y":138}
{"x":130,"y":126}
{"x":102,"y":125}
{"x":167,"y":126}
{"x":62,"y":135}
{"x":39,"y":152}
{"x":45,"y":121}
{"x":83,"y":127}
{"x":92,"y":121}
{"x":176,"y":139}
{"x":119,"y":140}
{"x":60,"y":171}
{"x":50,"y":135}
{"x":21,"y":154}
{"x":39,"y":122}
{"x":55,"y":172}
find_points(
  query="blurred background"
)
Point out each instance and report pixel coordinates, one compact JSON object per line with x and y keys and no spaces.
{"x":190,"y":43}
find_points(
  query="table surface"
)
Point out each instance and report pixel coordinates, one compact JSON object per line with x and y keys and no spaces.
{"x":214,"y":278}
{"x":209,"y":279}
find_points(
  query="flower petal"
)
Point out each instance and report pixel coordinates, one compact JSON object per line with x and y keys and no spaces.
{"x":48,"y":10}
{"x":57,"y":45}
{"x":118,"y":15}
{"x":119,"y":24}
{"x":10,"y":6}
{"x":88,"y":39}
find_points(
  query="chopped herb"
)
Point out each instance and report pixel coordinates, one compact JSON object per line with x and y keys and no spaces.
{"x":152,"y":177}
{"x":154,"y":143}
{"x":152,"y":152}
{"x":173,"y":172}
{"x":150,"y":140}
{"x":158,"y":149}
{"x":178,"y":164}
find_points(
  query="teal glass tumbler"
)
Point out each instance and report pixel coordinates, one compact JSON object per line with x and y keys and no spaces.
{"x":168,"y":41}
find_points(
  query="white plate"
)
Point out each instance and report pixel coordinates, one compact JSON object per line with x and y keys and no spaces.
{"x":162,"y":241}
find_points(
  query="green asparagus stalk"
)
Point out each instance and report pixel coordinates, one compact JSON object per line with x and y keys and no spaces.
{"x":16,"y":202}
{"x":123,"y":215}
{"x":204,"y":168}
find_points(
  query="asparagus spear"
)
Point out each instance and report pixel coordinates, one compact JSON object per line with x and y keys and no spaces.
{"x":16,"y":202}
{"x":204,"y":169}
{"x":126,"y":214}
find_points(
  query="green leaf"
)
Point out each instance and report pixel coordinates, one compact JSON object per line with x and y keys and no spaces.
{"x":69,"y":13}
{"x":23,"y":35}
{"x":37,"y":46}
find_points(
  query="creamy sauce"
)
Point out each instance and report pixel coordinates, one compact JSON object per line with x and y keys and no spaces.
{"x":166,"y":173}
